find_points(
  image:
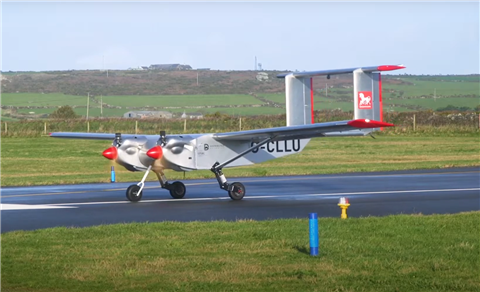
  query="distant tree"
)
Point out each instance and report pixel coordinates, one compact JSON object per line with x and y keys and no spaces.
{"x":454,"y":108}
{"x":217,"y":115}
{"x":64,"y":112}
{"x":447,"y":108}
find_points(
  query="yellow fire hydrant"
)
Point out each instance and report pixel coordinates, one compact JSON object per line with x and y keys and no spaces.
{"x":343,"y":203}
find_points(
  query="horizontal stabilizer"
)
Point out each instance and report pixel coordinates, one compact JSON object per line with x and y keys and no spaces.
{"x":342,"y":71}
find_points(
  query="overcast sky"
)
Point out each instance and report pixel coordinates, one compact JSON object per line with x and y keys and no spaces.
{"x":428,"y":38}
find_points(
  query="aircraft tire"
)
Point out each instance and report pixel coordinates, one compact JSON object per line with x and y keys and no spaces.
{"x":239,"y":193}
{"x":132,"y":193}
{"x":177,"y":190}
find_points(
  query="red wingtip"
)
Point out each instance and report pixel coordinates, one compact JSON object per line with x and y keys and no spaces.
{"x":155,"y":152}
{"x":390,"y":67}
{"x":366,"y":123}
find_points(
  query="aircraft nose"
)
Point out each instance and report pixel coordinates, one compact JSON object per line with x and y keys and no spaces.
{"x":110,"y":153}
{"x":155,"y":152}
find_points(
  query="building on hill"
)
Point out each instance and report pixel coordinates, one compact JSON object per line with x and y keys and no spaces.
{"x":148,"y":114}
{"x":170,"y":67}
{"x":191,"y":115}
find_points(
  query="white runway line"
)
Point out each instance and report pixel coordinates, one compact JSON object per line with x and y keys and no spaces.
{"x":395,"y":192}
{"x":9,"y":207}
{"x":268,"y":197}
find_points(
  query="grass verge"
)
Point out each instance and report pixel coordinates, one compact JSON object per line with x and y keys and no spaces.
{"x":394,"y":253}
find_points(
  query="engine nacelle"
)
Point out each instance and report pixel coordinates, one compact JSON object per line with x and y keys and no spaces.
{"x":132,"y":153}
{"x":137,"y":154}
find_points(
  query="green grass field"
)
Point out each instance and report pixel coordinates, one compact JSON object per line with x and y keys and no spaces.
{"x":394,"y":253}
{"x":60,"y":161}
{"x":431,"y":103}
{"x":442,"y":88}
{"x":59,"y":99}
{"x":39,"y":99}
{"x":181,"y":100}
{"x":236,"y":111}
{"x":92,"y":112}
{"x":8,"y":119}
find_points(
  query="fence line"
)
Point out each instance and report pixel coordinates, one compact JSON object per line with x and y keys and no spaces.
{"x":414,"y":124}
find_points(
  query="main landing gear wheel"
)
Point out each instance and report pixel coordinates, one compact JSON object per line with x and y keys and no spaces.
{"x":133,"y":193}
{"x":237,"y":192}
{"x":177,"y":190}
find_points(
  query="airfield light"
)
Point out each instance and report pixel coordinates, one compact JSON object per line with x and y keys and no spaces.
{"x":313,"y":228}
{"x":344,"y":204}
{"x":110,"y":153}
{"x":112,"y":174}
{"x":155,"y":152}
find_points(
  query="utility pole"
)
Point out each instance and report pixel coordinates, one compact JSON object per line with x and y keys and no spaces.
{"x":88,"y":102}
{"x":435,"y":94}
{"x":326,"y":89}
{"x":101,"y":105}
{"x":197,"y":77}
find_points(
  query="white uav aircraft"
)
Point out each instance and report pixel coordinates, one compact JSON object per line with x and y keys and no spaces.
{"x":215,"y":151}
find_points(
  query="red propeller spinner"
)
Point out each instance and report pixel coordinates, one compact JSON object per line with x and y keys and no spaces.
{"x":155,"y":152}
{"x":110,"y":153}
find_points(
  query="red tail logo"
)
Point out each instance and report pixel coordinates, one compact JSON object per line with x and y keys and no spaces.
{"x":365,"y":100}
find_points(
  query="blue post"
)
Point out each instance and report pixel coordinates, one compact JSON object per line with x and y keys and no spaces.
{"x":313,"y":234}
{"x":112,"y":177}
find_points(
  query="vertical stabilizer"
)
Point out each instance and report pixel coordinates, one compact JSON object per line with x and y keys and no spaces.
{"x":299,"y":100}
{"x":367,"y":95}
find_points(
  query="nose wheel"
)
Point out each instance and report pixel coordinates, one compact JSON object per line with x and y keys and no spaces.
{"x":134,"y":194}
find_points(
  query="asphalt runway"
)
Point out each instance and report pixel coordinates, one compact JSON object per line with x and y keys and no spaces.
{"x":370,"y":194}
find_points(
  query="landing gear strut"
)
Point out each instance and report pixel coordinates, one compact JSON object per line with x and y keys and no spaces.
{"x":177,"y":189}
{"x":134,"y":192}
{"x":235,"y":190}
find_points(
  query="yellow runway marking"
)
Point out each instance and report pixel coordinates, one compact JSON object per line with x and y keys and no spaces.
{"x":245,"y":181}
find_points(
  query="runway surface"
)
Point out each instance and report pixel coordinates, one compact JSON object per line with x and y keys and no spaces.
{"x":371,"y":194}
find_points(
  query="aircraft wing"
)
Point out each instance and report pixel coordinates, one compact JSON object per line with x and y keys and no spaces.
{"x":328,"y":129}
{"x":93,"y":136}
